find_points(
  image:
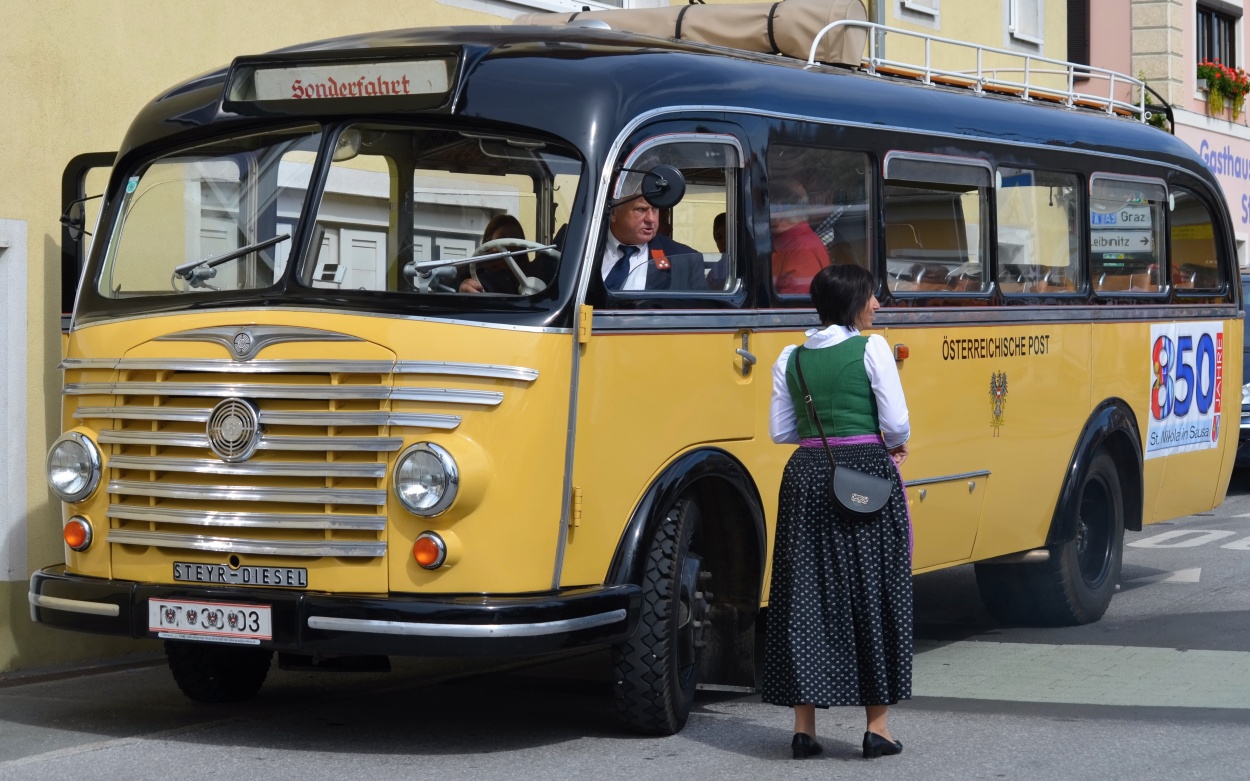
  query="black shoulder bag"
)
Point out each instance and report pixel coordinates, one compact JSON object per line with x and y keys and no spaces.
{"x":855,"y":493}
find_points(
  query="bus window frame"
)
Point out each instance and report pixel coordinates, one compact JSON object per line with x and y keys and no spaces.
{"x":1221,"y":263}
{"x":1164,"y":293}
{"x":988,"y":228}
{"x":735,"y":297}
{"x":1083,"y":288}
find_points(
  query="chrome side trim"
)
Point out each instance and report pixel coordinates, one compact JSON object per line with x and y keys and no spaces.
{"x":213,"y":466}
{"x":259,"y":337}
{"x":247,"y":493}
{"x":74,"y":364}
{"x":125,"y":512}
{"x":1037,"y":555}
{"x":467,"y":370}
{"x":946,"y":478}
{"x":319,"y":548}
{"x":339,"y":444}
{"x":318,"y":392}
{"x":73,"y":605}
{"x":411,"y":629}
{"x":276,"y":417}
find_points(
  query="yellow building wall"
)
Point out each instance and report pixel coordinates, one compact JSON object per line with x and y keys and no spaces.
{"x":75,"y":74}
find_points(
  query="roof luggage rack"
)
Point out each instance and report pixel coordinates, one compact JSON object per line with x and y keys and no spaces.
{"x":994,"y":79}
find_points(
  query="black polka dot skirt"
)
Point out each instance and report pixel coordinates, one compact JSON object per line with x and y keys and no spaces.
{"x":840,"y":601}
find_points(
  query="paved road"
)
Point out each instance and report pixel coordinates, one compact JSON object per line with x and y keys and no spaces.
{"x":1160,"y":688}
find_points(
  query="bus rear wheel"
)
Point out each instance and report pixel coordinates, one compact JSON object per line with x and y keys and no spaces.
{"x":655,"y":670}
{"x":1075,"y":585}
{"x":217,"y":673}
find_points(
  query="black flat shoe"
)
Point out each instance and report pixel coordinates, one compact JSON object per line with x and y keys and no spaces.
{"x":876,"y":746}
{"x":805,"y":746}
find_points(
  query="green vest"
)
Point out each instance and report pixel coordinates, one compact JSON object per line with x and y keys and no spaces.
{"x":840,"y":389}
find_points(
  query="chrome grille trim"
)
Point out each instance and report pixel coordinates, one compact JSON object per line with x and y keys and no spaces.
{"x":319,"y":392}
{"x":124,"y":512}
{"x":467,"y":370}
{"x":275,"y":418}
{"x":172,"y":414}
{"x":224,"y":390}
{"x":448,"y":396}
{"x":245,"y":493}
{"x":309,"y":548}
{"x":213,"y":466}
{"x":340,"y":444}
{"x":287,"y":366}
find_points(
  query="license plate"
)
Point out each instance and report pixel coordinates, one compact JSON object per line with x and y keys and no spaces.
{"x":283,"y":577}
{"x":214,"y":622}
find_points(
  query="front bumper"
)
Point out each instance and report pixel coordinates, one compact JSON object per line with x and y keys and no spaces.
{"x":395,"y":624}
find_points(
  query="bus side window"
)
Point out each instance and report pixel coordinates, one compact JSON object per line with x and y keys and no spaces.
{"x":1195,"y":255}
{"x":1127,"y":251}
{"x":696,"y":249}
{"x":818,"y":214}
{"x":1038,"y":238}
{"x":936,"y":221}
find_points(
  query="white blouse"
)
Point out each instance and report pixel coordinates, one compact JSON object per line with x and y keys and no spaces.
{"x":882,"y":373}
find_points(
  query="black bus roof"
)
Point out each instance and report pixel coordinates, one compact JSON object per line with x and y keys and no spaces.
{"x":564,"y":80}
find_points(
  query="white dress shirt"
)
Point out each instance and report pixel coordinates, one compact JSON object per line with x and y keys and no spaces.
{"x":882,"y":373}
{"x":637,"y":279}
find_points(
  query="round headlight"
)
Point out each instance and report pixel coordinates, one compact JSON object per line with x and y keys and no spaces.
{"x":426,"y":479}
{"x":73,"y":467}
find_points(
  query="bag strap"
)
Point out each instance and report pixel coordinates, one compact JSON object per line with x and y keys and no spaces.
{"x":811,"y":408}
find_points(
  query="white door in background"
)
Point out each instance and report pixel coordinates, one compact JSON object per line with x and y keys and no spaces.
{"x":363,"y":254}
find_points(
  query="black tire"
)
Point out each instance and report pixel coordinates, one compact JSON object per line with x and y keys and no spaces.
{"x":218,"y":673}
{"x":1076,"y":584}
{"x":655,"y":670}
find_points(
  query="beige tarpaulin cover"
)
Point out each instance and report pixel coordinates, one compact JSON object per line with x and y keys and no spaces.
{"x":783,"y":28}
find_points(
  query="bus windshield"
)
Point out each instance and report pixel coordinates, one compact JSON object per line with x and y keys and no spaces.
{"x":405,"y":210}
{"x":435,"y":211}
{"x":185,"y":217}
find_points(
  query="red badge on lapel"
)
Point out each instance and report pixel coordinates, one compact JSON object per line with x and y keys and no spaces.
{"x":660,"y":259}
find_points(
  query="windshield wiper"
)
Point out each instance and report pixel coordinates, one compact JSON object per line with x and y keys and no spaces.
{"x":196,"y":272}
{"x":428,"y":265}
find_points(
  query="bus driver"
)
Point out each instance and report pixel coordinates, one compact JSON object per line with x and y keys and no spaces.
{"x":637,"y":257}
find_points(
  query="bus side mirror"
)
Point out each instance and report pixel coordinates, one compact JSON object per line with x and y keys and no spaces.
{"x":74,"y":216}
{"x":663,"y":187}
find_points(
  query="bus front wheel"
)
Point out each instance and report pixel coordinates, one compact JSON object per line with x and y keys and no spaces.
{"x":655,"y":670}
{"x":1075,"y":585}
{"x":217,"y":673}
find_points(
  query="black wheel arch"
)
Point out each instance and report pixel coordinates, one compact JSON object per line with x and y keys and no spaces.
{"x":731,"y":509}
{"x":1111,"y":426}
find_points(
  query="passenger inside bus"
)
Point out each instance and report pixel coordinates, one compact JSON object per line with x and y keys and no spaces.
{"x":638,"y":257}
{"x":718,"y":272}
{"x":798,"y":253}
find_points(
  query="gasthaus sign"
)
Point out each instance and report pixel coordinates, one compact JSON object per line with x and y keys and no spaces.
{"x":1186,"y":387}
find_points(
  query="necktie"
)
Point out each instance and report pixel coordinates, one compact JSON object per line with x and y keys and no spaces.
{"x":620,"y":272}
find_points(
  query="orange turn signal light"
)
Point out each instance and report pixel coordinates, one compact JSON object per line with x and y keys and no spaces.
{"x":429,"y":550}
{"x":901,"y":353}
{"x":77,"y":533}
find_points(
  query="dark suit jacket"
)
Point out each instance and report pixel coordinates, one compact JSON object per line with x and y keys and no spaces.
{"x":685,"y":271}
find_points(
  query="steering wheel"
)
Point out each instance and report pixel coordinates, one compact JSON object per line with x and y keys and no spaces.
{"x":526,"y":285}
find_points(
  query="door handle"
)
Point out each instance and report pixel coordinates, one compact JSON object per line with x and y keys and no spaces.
{"x":748,"y":358}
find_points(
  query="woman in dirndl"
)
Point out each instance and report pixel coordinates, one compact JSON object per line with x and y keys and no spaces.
{"x":840,"y":602}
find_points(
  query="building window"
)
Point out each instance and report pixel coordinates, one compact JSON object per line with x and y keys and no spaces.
{"x":1024,"y":21}
{"x":1078,"y":31}
{"x":1217,"y":36}
{"x":926,"y":13}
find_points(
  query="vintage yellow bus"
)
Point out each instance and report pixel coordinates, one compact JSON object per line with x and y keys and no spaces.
{"x":311,"y":409}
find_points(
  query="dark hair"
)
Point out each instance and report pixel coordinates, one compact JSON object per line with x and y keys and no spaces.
{"x":840,"y":293}
{"x":502,"y":221}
